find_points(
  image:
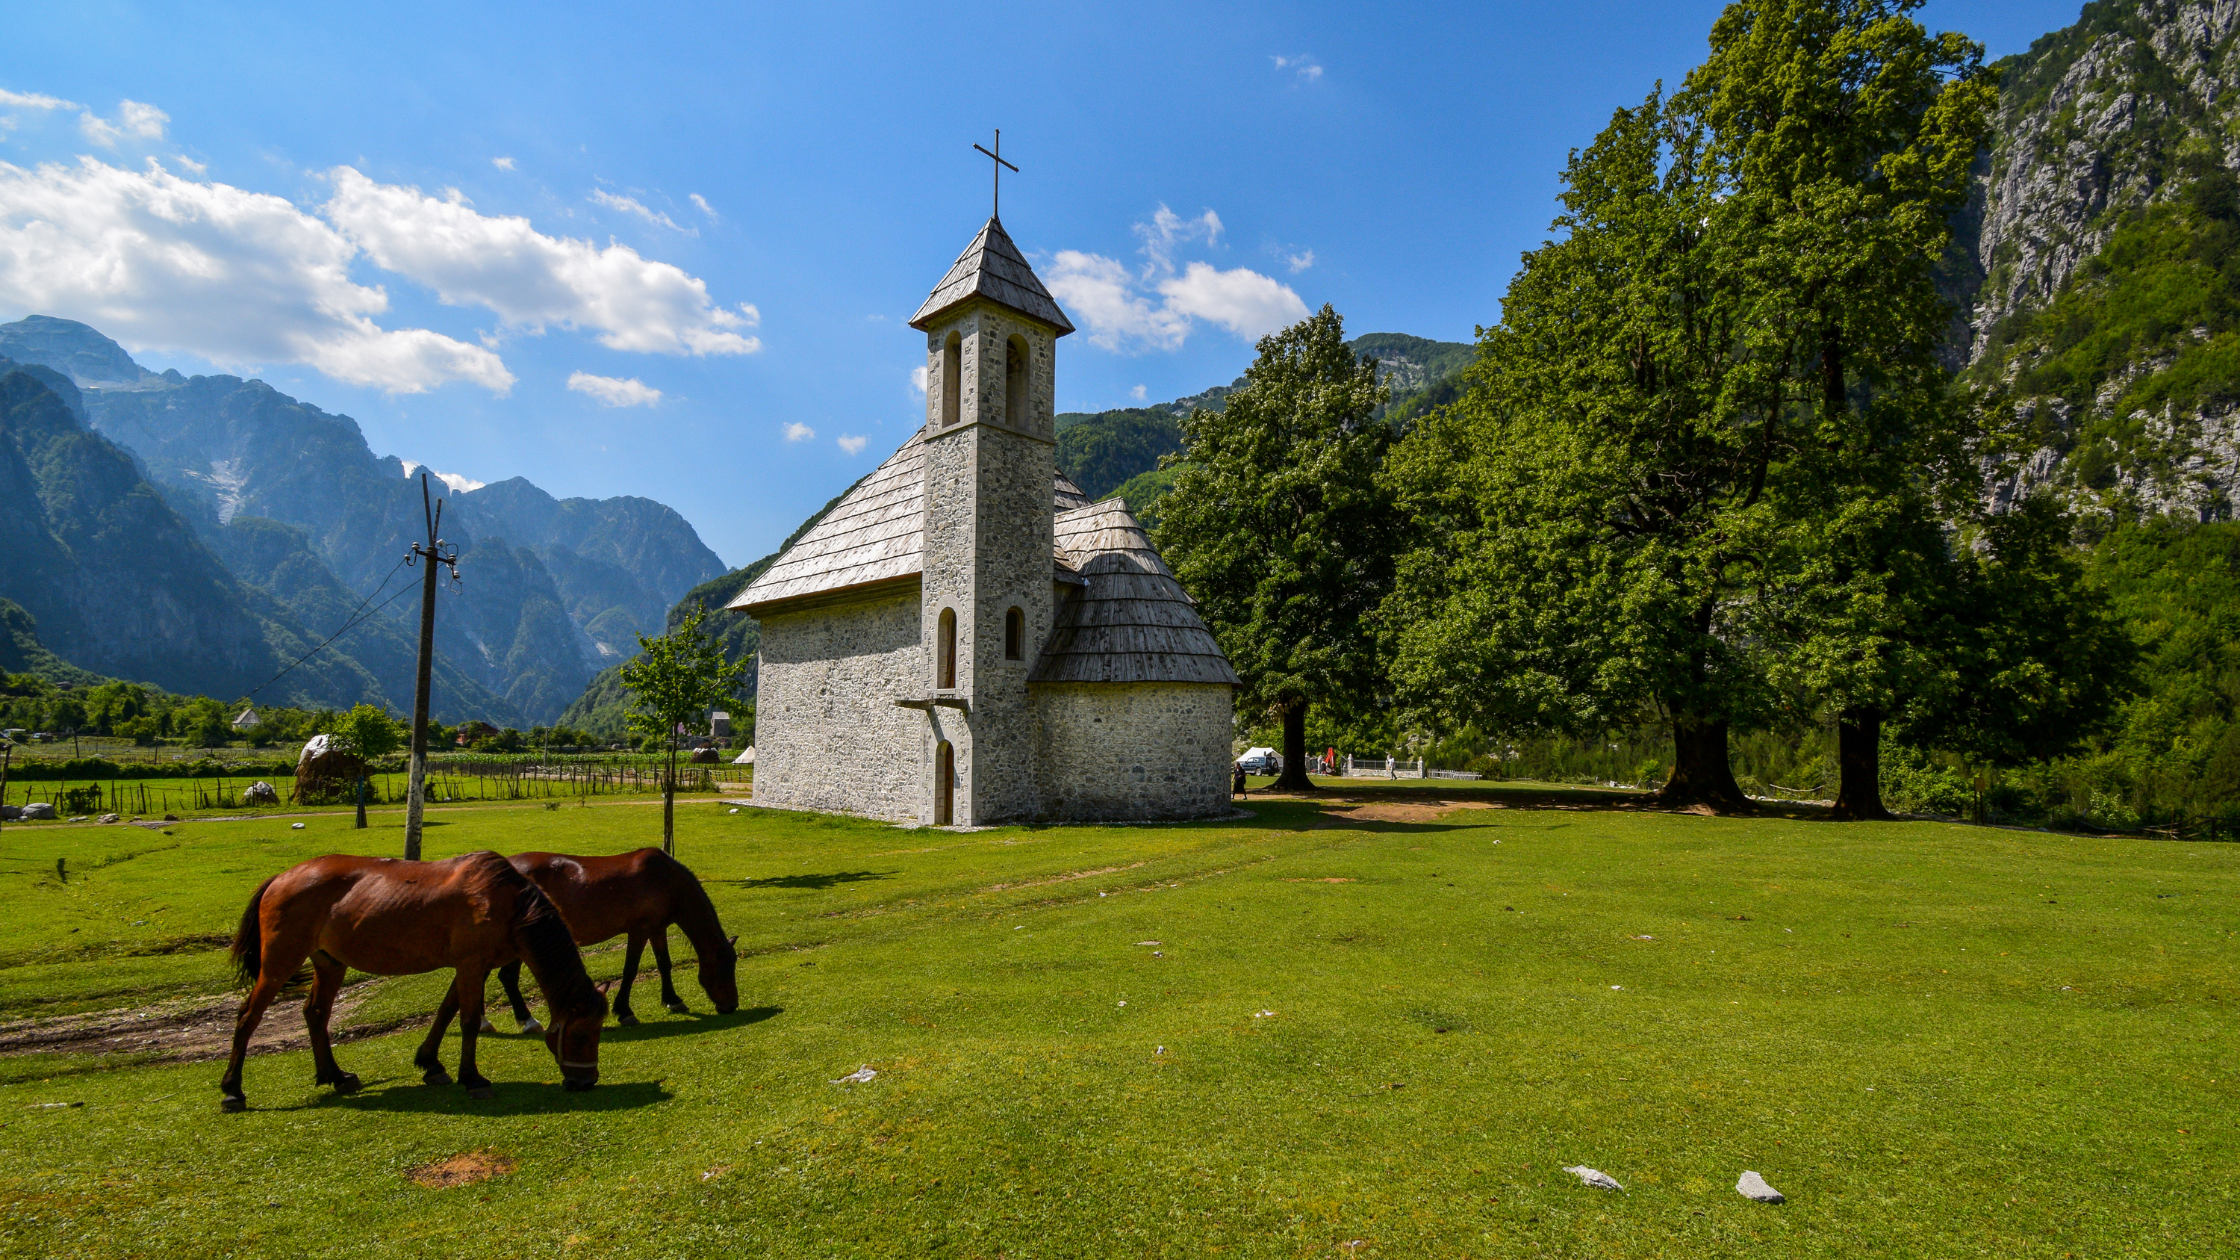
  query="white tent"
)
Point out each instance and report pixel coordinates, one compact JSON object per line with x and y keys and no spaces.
{"x":746,"y":758}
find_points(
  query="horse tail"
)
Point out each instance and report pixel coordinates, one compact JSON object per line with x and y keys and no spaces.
{"x":248,"y":946}
{"x":248,"y":939}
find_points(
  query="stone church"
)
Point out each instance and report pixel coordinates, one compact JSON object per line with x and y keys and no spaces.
{"x":965,"y":638}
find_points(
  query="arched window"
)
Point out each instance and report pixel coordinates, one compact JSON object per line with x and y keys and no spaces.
{"x":1017,"y":393}
{"x":944,"y":784}
{"x":945,"y":671}
{"x":952,"y":380}
{"x":1014,"y":635}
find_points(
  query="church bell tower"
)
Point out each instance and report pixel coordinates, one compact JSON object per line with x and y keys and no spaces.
{"x":991,"y":338}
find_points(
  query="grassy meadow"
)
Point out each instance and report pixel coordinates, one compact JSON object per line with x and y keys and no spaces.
{"x":1366,"y":1025}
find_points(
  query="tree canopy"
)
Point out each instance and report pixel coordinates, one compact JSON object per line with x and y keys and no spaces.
{"x":1279,"y":526}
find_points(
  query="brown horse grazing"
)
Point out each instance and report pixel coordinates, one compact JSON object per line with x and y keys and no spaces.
{"x":393,"y":918}
{"x":639,"y":893}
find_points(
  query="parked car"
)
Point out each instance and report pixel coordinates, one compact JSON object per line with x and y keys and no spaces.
{"x":1261,"y":761}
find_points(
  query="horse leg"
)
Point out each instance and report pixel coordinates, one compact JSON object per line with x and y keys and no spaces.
{"x":509,"y":976}
{"x":327,"y":973}
{"x":622,"y":1013}
{"x":271,"y":978}
{"x":470,"y":988}
{"x":430,"y":1058}
{"x":669,"y":996}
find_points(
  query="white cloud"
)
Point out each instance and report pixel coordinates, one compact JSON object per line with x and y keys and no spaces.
{"x":1168,"y":229}
{"x":531,"y":280}
{"x":1100,"y":292}
{"x":1116,"y":305}
{"x":1299,"y":262}
{"x":189,"y":165}
{"x":918,"y":378}
{"x":34,"y":100}
{"x":1244,"y":302}
{"x":706,"y":209}
{"x":141,"y":122}
{"x":799,"y":432}
{"x":852,"y":443}
{"x":1302,"y":65}
{"x":502,"y":163}
{"x":615,"y":391}
{"x":633,"y":206}
{"x":1137,"y":393}
{"x":239,"y":278}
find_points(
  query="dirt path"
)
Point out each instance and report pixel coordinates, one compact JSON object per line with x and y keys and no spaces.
{"x":185,"y":1030}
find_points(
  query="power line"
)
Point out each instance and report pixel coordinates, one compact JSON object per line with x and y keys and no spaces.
{"x":348,"y":624}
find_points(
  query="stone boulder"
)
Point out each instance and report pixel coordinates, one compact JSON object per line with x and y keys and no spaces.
{"x":259,"y":793}
{"x":38,"y":810}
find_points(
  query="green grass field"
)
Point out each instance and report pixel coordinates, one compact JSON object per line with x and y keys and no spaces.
{"x":1274,"y":1037}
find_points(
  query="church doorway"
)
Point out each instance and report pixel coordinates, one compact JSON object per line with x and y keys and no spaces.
{"x":944,"y":784}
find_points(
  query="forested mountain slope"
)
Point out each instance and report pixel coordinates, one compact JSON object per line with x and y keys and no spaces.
{"x":1117,"y":452}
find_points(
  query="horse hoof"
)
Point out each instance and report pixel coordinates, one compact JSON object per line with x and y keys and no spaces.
{"x":482,"y":1093}
{"x":435,"y":1076}
{"x":488,"y":1027}
{"x":678,"y":1007}
{"x":233,"y":1102}
{"x":531,"y":1028}
{"x":626,"y":1019}
{"x":347,"y":1083}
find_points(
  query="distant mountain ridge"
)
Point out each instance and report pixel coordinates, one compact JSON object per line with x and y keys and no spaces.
{"x":301,"y":515}
{"x":1117,"y":452}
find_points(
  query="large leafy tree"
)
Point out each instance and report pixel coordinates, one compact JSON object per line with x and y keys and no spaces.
{"x":674,"y":681}
{"x":1839,"y":135}
{"x":1591,"y":516}
{"x":1280,"y":529}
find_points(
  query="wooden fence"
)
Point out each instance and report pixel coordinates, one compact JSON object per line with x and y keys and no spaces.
{"x":472,"y":782}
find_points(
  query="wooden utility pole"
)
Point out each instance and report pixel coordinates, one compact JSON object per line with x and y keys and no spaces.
{"x":432,"y":554}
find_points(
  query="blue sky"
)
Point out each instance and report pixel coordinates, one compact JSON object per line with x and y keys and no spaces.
{"x":434,"y":218}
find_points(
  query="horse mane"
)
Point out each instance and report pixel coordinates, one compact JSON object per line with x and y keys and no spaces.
{"x":695,"y":912}
{"x":550,"y":950}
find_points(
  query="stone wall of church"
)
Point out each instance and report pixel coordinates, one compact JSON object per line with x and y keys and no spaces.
{"x":1112,"y":752}
{"x":828,"y":734}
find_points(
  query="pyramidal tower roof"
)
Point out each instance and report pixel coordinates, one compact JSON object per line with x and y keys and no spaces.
{"x":993,"y":268}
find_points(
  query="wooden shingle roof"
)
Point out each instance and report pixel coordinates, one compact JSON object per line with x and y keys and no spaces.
{"x":1133,"y":622}
{"x":993,"y":268}
{"x":875,"y":535}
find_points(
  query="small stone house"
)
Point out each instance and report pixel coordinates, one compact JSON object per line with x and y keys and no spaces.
{"x":965,"y":638}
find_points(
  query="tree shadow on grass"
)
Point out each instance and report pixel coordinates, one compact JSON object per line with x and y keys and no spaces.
{"x":515,"y":1098}
{"x":681,"y":1025}
{"x":816,"y":881}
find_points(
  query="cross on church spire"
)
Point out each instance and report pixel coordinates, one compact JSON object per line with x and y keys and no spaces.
{"x":996,"y":212}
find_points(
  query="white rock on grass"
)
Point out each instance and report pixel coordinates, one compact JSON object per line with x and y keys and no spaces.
{"x":1752,"y":1186}
{"x":1589,"y":1176}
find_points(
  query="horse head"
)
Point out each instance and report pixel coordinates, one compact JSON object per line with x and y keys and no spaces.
{"x":574,"y":1042}
{"x":719,"y":977}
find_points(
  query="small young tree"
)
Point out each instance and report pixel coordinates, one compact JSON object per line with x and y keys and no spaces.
{"x":366,"y":733}
{"x":675,"y":679}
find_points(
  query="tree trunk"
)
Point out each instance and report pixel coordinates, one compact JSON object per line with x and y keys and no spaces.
{"x":1700,"y":772}
{"x":1295,"y":750}
{"x":669,"y":803}
{"x":1859,"y":761}
{"x":361,"y":802}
